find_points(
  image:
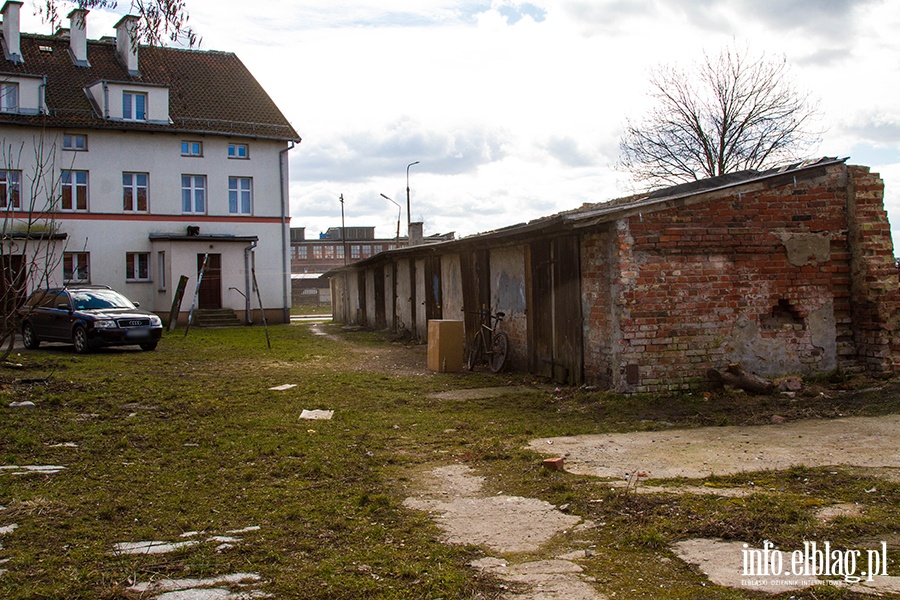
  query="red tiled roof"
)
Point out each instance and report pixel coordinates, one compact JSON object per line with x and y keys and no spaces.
{"x":209,"y":92}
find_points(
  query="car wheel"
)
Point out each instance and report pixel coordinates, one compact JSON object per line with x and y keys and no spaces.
{"x":28,"y":338}
{"x":149,"y":346}
{"x":80,"y":340}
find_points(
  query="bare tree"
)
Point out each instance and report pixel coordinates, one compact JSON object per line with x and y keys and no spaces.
{"x":31,"y":247}
{"x":729,"y":113}
{"x":158,"y":19}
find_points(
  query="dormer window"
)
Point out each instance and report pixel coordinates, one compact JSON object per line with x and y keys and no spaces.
{"x":9,"y":97}
{"x":134,"y":106}
{"x":131,"y":101}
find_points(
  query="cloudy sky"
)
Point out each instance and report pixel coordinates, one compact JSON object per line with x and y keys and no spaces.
{"x":514,"y":109}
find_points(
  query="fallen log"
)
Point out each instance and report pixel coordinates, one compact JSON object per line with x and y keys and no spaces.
{"x":736,"y":376}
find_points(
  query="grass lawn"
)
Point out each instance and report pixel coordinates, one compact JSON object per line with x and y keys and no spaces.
{"x":189,"y":438}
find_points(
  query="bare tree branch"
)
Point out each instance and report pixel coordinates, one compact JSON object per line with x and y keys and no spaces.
{"x":729,"y":113}
{"x":158,"y":20}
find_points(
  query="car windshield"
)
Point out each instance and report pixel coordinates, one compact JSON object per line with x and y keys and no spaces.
{"x":100,"y":299}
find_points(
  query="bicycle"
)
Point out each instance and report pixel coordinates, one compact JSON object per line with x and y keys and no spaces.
{"x":490,"y":345}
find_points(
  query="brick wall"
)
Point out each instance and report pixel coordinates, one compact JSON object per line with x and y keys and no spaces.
{"x":759,"y":275}
{"x":599,"y":269}
{"x":874,"y":273}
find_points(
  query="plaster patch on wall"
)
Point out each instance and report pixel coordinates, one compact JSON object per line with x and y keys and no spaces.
{"x":823,"y":334}
{"x":765,"y":356}
{"x":511,"y":292}
{"x":806,"y":248}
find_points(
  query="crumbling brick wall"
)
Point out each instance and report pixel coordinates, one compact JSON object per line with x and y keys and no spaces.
{"x":874,"y":273}
{"x":759,"y":274}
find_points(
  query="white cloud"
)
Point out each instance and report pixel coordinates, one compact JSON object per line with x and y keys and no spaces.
{"x":514,"y":107}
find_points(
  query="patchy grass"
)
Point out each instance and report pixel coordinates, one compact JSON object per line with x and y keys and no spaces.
{"x":191,"y":439}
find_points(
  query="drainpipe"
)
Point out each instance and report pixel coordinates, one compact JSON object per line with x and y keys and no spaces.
{"x":247,"y":283}
{"x":105,"y":100}
{"x":285,"y":253}
{"x":42,"y":97}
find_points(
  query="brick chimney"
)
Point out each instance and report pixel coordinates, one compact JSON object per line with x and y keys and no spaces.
{"x":11,"y":45}
{"x":78,"y":37}
{"x":126,"y":44}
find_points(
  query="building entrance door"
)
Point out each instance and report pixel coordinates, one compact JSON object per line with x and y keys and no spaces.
{"x":210,"y":296}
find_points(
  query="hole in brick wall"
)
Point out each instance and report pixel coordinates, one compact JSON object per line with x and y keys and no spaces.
{"x":632,"y":374}
{"x":782,"y":316}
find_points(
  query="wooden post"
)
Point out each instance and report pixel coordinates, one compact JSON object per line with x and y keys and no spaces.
{"x":176,"y":302}
{"x":196,"y":294}
{"x":262,"y":311}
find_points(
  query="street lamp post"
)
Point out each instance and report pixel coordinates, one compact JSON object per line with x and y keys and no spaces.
{"x":398,"y":215}
{"x":343,"y":230}
{"x":408,"y":214}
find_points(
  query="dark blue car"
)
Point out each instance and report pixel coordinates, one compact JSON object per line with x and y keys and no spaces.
{"x":87,"y":317}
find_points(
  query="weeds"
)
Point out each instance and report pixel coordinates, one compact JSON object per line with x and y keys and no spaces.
{"x":190,"y":438}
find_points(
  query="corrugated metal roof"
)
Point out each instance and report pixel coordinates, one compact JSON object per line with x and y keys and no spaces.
{"x":611,"y":210}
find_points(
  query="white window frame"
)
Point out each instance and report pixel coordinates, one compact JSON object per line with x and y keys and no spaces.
{"x":9,"y":97}
{"x":161,"y":269}
{"x":134,"y":188}
{"x":240,"y":195}
{"x":73,"y":187}
{"x":10,"y":190}
{"x":77,"y":267}
{"x":191,"y":192}
{"x":235,"y":151}
{"x":70,"y":142}
{"x":131,"y":109}
{"x":137,"y":266}
{"x":191,"y":148}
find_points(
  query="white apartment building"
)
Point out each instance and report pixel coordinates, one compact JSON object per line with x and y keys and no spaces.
{"x":134,"y":165}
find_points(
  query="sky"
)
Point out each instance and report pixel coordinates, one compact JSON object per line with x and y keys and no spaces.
{"x":514,"y":110}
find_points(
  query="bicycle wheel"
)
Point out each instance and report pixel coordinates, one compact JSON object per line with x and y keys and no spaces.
{"x":473,"y":355}
{"x":499,"y":350}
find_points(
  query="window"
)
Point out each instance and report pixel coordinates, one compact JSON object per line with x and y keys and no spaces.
{"x":193,"y":194}
{"x":74,"y":190}
{"x":366,"y":250}
{"x":191,"y":148}
{"x":317,"y":251}
{"x":238,"y":151}
{"x":240,"y":195}
{"x":74,"y":141}
{"x":10,"y":188}
{"x":354,"y":251}
{"x":161,"y":270}
{"x":304,"y":253}
{"x":135,"y":191}
{"x":9,"y":97}
{"x":329,"y":251}
{"x":339,"y":252}
{"x":76,"y":267}
{"x":137,"y":266}
{"x":134,"y":106}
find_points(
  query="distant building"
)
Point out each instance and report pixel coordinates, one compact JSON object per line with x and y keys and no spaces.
{"x":311,"y":258}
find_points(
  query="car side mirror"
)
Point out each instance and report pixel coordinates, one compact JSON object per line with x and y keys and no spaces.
{"x":137,"y":304}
